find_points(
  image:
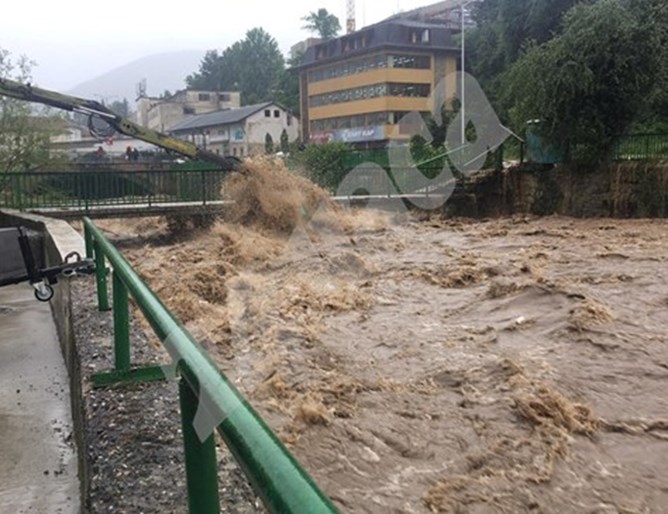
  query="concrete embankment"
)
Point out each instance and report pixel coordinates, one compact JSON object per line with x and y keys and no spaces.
{"x":617,"y":190}
{"x":43,"y":467}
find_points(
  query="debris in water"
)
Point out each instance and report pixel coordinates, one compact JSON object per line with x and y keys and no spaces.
{"x":271,"y":197}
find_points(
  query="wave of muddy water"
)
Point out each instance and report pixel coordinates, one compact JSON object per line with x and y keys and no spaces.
{"x":513,"y":365}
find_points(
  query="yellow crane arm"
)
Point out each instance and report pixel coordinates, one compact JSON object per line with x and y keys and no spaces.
{"x":96,"y":110}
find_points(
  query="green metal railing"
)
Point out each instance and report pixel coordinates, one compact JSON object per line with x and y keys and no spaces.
{"x":85,"y":189}
{"x":642,"y":147}
{"x":277,"y":478}
{"x":356,"y":158}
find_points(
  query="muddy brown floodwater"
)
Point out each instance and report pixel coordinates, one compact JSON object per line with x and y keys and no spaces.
{"x":513,"y":365}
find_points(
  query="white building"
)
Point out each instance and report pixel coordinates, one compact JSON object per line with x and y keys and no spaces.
{"x":239,"y":132}
{"x":162,"y":114}
{"x":71,"y":134}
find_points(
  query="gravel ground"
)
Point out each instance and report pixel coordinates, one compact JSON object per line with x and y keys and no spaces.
{"x":133,"y":434}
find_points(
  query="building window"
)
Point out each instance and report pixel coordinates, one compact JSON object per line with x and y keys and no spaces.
{"x":204,"y":97}
{"x":420,"y":36}
{"x":374,"y":91}
{"x":234,"y":151}
{"x":267,"y":113}
{"x":421,"y":62}
{"x":225,"y":98}
{"x":374,"y":62}
{"x":277,"y":113}
{"x":289,"y":119}
{"x":188,"y":110}
{"x":241,"y":152}
{"x":373,"y":119}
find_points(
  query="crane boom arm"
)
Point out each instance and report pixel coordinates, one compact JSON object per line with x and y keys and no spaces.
{"x":28,"y":93}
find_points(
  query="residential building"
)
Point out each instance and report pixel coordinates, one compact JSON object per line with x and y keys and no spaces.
{"x":239,"y":132}
{"x":356,"y":88}
{"x":162,"y":114}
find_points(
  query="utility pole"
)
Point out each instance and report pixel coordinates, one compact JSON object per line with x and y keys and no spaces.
{"x":463,"y":71}
{"x":350,"y":18}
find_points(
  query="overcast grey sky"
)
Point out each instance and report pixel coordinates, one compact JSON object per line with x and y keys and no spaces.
{"x":75,"y":40}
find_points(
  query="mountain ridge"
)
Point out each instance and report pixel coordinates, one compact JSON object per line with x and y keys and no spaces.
{"x":163,"y":71}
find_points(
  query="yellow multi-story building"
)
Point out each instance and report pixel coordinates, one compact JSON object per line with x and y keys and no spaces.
{"x":357,"y":88}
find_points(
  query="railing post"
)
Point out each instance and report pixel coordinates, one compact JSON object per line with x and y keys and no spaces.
{"x":200,"y":457}
{"x":87,"y":191}
{"x":121,"y":325}
{"x":498,"y":165}
{"x":101,"y":276}
{"x":20,"y":195}
{"x":88,"y":238}
{"x":203,"y":187}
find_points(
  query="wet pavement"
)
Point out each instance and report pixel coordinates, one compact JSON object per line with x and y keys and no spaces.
{"x":38,"y":464}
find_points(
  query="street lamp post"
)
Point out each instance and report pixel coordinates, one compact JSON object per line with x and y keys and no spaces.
{"x":463,"y":82}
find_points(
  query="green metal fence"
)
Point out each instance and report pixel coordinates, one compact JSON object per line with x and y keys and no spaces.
{"x":84,"y":189}
{"x":277,"y":478}
{"x":642,"y":147}
{"x":356,"y":158}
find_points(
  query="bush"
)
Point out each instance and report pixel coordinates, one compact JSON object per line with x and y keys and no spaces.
{"x":325,"y":164}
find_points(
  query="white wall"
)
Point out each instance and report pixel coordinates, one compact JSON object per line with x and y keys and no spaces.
{"x":164,"y":116}
{"x":72,"y":135}
{"x":248,"y":138}
{"x":258,"y":125}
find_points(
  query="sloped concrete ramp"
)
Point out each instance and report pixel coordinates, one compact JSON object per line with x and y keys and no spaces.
{"x":38,"y":462}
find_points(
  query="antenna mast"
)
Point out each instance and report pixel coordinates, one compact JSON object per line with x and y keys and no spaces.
{"x":350,"y":21}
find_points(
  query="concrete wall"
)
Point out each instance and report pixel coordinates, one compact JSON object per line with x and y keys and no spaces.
{"x":258,"y":126}
{"x":166,"y":113}
{"x":57,"y":239}
{"x":248,"y":138}
{"x":618,"y":190}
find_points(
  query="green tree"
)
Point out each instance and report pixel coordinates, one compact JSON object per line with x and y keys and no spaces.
{"x":285,"y":142}
{"x":589,"y":84}
{"x":25,"y":131}
{"x":209,"y":76}
{"x":268,"y":144}
{"x":322,"y":23}
{"x":325,"y":164}
{"x":122,"y":108}
{"x":503,"y":28}
{"x":287,"y":90}
{"x":654,"y":117}
{"x":253,"y":66}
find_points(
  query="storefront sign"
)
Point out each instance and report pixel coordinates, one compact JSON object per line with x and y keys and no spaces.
{"x":352,"y":135}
